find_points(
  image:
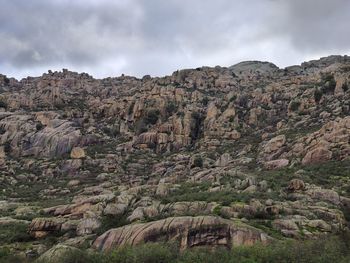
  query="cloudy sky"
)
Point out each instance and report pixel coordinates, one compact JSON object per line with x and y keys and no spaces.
{"x":157,"y":37}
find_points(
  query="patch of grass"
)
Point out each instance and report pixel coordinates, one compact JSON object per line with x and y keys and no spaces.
{"x":15,"y":232}
{"x":110,"y":221}
{"x":333,"y":174}
{"x":323,"y":250}
{"x":191,"y":193}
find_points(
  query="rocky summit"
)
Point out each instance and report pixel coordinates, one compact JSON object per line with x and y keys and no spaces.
{"x":207,"y":157}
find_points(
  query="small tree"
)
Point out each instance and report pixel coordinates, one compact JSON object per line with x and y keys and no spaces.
{"x":198,"y":162}
{"x":318,"y":95}
{"x":152,"y":116}
{"x":294,"y":105}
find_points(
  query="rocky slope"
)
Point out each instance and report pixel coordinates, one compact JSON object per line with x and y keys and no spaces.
{"x":232,"y":155}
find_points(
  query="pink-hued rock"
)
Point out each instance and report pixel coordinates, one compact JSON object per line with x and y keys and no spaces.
{"x":276,"y":164}
{"x":189,"y":231}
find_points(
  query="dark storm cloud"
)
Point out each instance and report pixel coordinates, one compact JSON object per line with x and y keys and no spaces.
{"x":321,"y":25}
{"x":137,"y":37}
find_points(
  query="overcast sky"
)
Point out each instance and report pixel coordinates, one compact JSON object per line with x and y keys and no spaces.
{"x":157,"y":37}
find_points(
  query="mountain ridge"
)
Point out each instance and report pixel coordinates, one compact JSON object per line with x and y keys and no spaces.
{"x":223,"y":156}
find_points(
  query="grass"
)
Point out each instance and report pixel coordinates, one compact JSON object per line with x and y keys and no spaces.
{"x":14,"y":232}
{"x":109,"y":222}
{"x":198,"y":192}
{"x":332,"y":174}
{"x":323,"y":250}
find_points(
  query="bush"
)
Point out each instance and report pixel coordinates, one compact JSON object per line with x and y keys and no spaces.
{"x":7,"y":147}
{"x":140,"y":127}
{"x":170,"y":108}
{"x":205,"y":101}
{"x":328,"y":83}
{"x":196,"y":125}
{"x":294,"y":105}
{"x":109,"y":222}
{"x":151,"y":116}
{"x":318,"y":95}
{"x":3,"y":104}
{"x":112,"y":131}
{"x":198,"y":162}
{"x":16,"y":232}
{"x":39,"y":126}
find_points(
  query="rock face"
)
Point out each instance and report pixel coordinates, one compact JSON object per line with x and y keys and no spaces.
{"x":191,"y":231}
{"x":41,"y":227}
{"x":318,"y":155}
{"x":262,"y":146}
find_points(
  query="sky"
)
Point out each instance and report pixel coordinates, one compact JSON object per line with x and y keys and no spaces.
{"x":156,"y":37}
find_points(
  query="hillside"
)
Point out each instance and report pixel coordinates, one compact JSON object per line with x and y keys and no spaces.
{"x":208,"y":157}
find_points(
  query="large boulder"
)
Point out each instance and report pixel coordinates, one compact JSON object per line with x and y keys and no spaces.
{"x":275,"y":143}
{"x":318,"y":155}
{"x":296,"y":185}
{"x":188,"y":231}
{"x":41,"y":227}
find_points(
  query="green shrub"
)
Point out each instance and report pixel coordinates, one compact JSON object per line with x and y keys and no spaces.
{"x":196,"y":123}
{"x":170,"y":108}
{"x":294,"y":105}
{"x":328,"y":83}
{"x":3,"y":104}
{"x":112,"y":131}
{"x":39,"y":126}
{"x":198,"y":162}
{"x":140,"y":127}
{"x":151,"y":116}
{"x":205,"y":101}
{"x":318,"y":95}
{"x":7,"y":147}
{"x":16,"y":232}
{"x":109,"y":222}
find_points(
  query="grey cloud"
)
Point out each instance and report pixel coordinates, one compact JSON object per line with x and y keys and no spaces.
{"x":137,"y":37}
{"x":311,"y":25}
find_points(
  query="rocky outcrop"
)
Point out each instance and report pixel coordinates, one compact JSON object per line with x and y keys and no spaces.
{"x":318,"y":155}
{"x":189,"y":231}
{"x":188,"y":147}
{"x":77,"y":153}
{"x":41,"y":227}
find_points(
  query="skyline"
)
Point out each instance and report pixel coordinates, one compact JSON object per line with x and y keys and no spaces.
{"x":135,"y":37}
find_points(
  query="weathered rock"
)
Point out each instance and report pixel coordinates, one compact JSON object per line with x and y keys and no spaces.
{"x":115,"y":209}
{"x":324,"y":195}
{"x":88,"y":226}
{"x":190,"y":231}
{"x":77,"y":153}
{"x":276,"y":164}
{"x":275,"y":143}
{"x":296,"y":185}
{"x":41,"y":227}
{"x":318,"y":155}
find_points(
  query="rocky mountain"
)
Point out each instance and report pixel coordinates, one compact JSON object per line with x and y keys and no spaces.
{"x":204,"y":157}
